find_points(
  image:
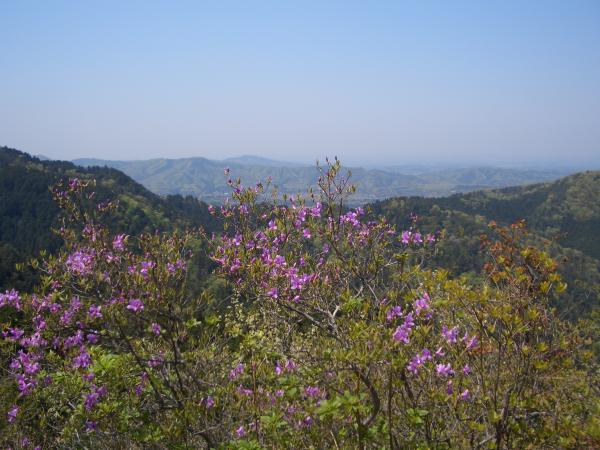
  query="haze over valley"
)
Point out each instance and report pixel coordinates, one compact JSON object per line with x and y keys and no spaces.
{"x":204,"y":178}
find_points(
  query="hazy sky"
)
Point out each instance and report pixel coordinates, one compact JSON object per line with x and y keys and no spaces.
{"x":372,"y":82}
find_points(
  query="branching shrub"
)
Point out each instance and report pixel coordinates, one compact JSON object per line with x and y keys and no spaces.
{"x":335,"y":337}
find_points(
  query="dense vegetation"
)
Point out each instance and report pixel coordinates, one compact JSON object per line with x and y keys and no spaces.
{"x":565,"y":212}
{"x":338,"y":333}
{"x":563,"y":216}
{"x":28,"y":212}
{"x":203,"y":177}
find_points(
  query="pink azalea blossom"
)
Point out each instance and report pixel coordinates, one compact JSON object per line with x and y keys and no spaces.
{"x":450,"y":335}
{"x":135,"y":305}
{"x":472,"y":343}
{"x":119,"y":242}
{"x":155,"y":328}
{"x":12,"y":414}
{"x":444,"y":370}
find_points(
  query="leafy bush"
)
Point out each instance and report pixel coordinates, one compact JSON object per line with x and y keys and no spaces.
{"x":335,"y":337}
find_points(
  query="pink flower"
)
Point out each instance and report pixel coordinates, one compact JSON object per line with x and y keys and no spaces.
{"x":426,"y":355}
{"x":316,"y":210}
{"x":244,"y":391}
{"x":418,"y":361}
{"x":135,"y":305}
{"x":402,"y":332}
{"x":413,"y":366}
{"x":80,"y":262}
{"x":145,"y":267}
{"x":312,"y":391}
{"x":290,"y":365}
{"x":236,"y":371}
{"x":401,"y":335}
{"x":119,"y":242}
{"x":207,"y":401}
{"x":472,"y":343}
{"x":13,"y":334}
{"x":155,"y":329}
{"x":278,"y":370}
{"x":450,"y":335}
{"x":95,"y":312}
{"x":406,"y":237}
{"x":74,"y":183}
{"x":306,"y":422}
{"x":82,"y":360}
{"x":11,"y":298}
{"x":444,"y":370}
{"x":92,"y":399}
{"x":12,"y":414}
{"x":393,"y":312}
{"x":422,"y":303}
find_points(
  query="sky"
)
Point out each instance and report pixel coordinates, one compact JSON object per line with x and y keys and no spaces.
{"x":377,"y":82}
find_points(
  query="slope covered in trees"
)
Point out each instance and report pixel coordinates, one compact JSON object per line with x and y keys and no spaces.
{"x":28,"y":212}
{"x":565,"y":212}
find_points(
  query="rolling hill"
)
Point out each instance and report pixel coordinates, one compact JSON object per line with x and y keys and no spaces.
{"x":204,"y":178}
{"x":565,"y":212}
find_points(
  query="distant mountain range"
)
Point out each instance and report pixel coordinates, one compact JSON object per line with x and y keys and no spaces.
{"x":204,"y":178}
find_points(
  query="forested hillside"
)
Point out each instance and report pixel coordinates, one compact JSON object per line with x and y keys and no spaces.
{"x":565,"y":212}
{"x":28,"y":212}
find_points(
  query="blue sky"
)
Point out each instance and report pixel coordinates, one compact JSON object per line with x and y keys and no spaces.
{"x":372,"y":82}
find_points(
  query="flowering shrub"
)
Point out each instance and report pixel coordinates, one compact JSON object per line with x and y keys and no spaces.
{"x":334,"y":337}
{"x":108,"y":349}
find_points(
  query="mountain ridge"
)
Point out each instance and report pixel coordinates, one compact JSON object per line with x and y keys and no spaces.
{"x":203,"y":178}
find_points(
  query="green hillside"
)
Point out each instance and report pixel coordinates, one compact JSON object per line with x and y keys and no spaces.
{"x":28,"y":212}
{"x":565,"y":212}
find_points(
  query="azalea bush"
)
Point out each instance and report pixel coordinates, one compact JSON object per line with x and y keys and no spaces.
{"x":334,"y":336}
